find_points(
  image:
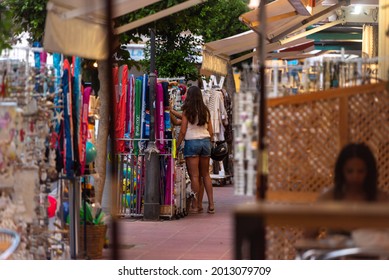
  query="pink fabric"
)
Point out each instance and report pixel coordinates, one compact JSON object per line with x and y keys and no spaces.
{"x":84,"y":127}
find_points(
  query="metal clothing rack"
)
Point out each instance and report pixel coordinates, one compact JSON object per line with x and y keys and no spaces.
{"x":132,"y":181}
{"x":76,"y":198}
{"x":171,"y":79}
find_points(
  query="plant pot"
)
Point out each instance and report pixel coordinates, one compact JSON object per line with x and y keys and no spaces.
{"x":95,"y":239}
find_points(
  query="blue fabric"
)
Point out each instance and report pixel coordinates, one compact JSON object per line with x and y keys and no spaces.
{"x":37,"y":55}
{"x":37,"y":60}
{"x":57,"y":87}
{"x":67,"y":126}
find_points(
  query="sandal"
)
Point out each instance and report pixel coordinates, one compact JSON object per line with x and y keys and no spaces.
{"x":211,"y":211}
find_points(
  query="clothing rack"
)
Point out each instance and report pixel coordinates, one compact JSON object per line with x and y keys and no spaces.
{"x":170,"y":79}
{"x":213,"y":84}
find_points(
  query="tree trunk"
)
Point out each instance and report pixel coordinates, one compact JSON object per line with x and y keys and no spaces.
{"x":103,"y":131}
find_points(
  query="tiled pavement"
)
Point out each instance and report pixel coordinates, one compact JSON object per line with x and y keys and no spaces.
{"x":196,"y":236}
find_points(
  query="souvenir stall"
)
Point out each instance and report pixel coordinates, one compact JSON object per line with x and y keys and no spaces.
{"x":50,"y":172}
{"x":133,"y":135}
{"x":219,"y":103}
{"x":27,"y":162}
{"x":183,"y":191}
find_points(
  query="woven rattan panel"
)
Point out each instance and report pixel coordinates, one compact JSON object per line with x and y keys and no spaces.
{"x":369,"y":123}
{"x":306,"y":134}
{"x":280,"y":242}
{"x":303,"y":142}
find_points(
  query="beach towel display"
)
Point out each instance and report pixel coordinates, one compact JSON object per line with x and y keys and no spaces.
{"x":136,"y":123}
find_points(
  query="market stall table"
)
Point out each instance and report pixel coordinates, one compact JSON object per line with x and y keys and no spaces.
{"x":252,"y":219}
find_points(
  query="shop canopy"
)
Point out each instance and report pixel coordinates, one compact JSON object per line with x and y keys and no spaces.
{"x":286,"y":29}
{"x":75,"y":27}
{"x":246,"y":41}
{"x":279,"y":13}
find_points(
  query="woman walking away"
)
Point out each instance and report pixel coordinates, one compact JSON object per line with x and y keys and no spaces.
{"x":196,"y":129}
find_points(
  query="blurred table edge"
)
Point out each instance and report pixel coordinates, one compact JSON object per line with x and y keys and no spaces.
{"x":252,"y":218}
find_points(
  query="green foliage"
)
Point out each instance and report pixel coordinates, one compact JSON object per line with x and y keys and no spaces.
{"x":218,"y":19}
{"x":175,"y":55}
{"x":28,"y":16}
{"x":93,"y":215}
{"x":212,"y":20}
{"x":5,"y":27}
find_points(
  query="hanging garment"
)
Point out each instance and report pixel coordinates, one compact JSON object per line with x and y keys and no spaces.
{"x":159,"y":119}
{"x":37,"y":61}
{"x":57,"y":85}
{"x":168,"y":128}
{"x":68,"y":121}
{"x":228,"y":134}
{"x":147,"y":104}
{"x":165,"y":86}
{"x":213,"y":99}
{"x":130,"y":111}
{"x":145,"y":118}
{"x":120,"y":80}
{"x":84,"y":127}
{"x":138,"y":108}
{"x":77,"y":103}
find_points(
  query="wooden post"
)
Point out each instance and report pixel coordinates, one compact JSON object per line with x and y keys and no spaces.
{"x":262,"y":151}
{"x":383,"y":39}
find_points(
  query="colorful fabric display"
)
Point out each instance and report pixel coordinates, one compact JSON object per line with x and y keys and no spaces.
{"x":68,"y":121}
{"x":84,"y":127}
{"x":138,"y":107}
{"x":159,"y":119}
{"x":120,"y":79}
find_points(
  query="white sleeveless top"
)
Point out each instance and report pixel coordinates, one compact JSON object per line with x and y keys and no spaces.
{"x":197,"y":132}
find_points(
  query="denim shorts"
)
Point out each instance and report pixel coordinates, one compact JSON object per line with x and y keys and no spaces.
{"x":197,"y":147}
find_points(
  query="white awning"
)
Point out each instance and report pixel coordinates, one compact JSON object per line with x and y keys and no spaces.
{"x":75,"y":27}
{"x":232,"y":45}
{"x":285,"y":29}
{"x":278,"y":13}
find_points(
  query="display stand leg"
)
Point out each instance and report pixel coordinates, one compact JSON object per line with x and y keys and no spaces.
{"x":61,"y":199}
{"x":74,"y":212}
{"x":84,"y":205}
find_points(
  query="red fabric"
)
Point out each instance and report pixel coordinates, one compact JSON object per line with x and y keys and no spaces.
{"x":120,"y":118}
{"x":52,"y":206}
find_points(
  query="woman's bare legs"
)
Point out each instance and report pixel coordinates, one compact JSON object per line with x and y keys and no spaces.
{"x":201,"y":194}
{"x":204,"y":173}
{"x":192,"y":163}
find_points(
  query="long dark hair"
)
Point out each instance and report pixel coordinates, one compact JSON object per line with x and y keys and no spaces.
{"x":363,"y":152}
{"x":194,"y":107}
